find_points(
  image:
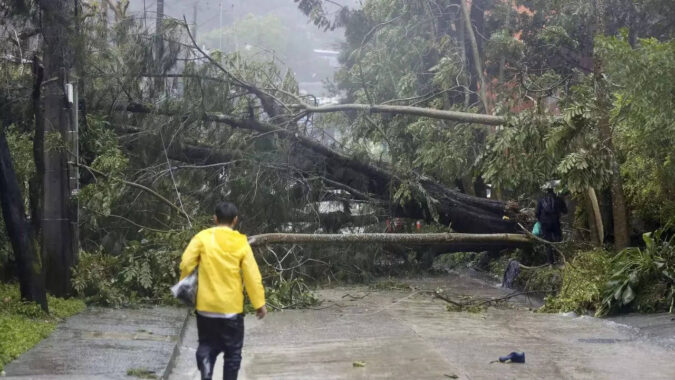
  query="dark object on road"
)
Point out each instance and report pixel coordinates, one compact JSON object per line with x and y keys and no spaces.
{"x":514,"y":357}
{"x":510,"y":274}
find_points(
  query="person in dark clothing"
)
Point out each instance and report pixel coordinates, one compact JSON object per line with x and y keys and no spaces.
{"x":549,"y":209}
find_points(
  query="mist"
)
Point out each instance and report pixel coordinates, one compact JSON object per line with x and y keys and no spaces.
{"x":260,"y":30}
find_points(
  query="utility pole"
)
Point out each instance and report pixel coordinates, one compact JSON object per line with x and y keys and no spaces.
{"x":73,"y":144}
{"x":59,"y":224}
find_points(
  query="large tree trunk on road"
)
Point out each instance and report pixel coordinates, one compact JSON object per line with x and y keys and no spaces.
{"x":410,"y":239}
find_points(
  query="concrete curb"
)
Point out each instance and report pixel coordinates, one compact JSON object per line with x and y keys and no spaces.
{"x":176,"y":349}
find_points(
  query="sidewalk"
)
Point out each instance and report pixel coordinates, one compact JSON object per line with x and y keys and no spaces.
{"x":102,"y":343}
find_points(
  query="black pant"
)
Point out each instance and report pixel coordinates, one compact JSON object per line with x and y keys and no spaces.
{"x":218,"y":335}
{"x":552,"y":233}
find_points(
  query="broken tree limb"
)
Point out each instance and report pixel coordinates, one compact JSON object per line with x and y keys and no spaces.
{"x":410,"y":239}
{"x":138,"y":186}
{"x":267,"y":100}
{"x":478,"y":303}
{"x":466,"y":117}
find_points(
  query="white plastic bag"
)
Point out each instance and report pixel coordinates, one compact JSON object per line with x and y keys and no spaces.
{"x":186,"y":289}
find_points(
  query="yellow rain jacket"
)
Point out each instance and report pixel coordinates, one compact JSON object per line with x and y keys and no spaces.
{"x":223,"y":255}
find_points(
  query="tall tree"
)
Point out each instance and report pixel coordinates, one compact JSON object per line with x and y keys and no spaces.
{"x":604,"y":104}
{"x":477,"y":60}
{"x":59,"y":248}
{"x":20,"y":231}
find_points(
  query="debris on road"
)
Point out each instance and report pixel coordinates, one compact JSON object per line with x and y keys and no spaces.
{"x":514,"y":357}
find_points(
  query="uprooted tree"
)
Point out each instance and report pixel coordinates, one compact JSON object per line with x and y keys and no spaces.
{"x":168,"y":128}
{"x":361,"y":179}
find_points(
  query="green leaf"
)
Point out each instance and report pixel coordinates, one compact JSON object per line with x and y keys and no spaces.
{"x":628,"y":295}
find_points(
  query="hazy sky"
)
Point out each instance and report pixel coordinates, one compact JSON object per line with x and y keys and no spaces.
{"x":311,"y":68}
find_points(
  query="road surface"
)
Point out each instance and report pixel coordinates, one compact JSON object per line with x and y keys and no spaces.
{"x":402,"y":332}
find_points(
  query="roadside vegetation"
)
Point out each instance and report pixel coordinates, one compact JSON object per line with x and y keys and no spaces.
{"x":593,"y":282}
{"x":23,"y":324}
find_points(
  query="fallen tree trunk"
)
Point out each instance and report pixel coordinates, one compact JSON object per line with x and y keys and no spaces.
{"x":410,"y":239}
{"x":464,"y":213}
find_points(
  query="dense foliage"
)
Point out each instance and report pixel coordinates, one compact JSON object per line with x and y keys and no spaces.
{"x":538,"y":58}
{"x":635,"y":279}
{"x":642,"y":279}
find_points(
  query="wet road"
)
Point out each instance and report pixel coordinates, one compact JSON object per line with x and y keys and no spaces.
{"x":103,"y":343}
{"x":407,"y":334}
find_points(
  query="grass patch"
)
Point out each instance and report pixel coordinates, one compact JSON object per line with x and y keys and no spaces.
{"x":390,"y":284}
{"x":24,"y":324}
{"x":142,"y":373}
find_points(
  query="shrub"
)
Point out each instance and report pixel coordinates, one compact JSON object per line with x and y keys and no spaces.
{"x":141,"y":274}
{"x":642,"y":279}
{"x":582,"y":284}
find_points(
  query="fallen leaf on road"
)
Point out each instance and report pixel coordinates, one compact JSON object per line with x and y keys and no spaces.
{"x":359,"y":364}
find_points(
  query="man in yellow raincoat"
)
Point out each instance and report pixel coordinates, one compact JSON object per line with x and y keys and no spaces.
{"x":222,"y":257}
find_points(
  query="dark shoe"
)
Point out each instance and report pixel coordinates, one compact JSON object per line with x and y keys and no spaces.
{"x":514,"y":357}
